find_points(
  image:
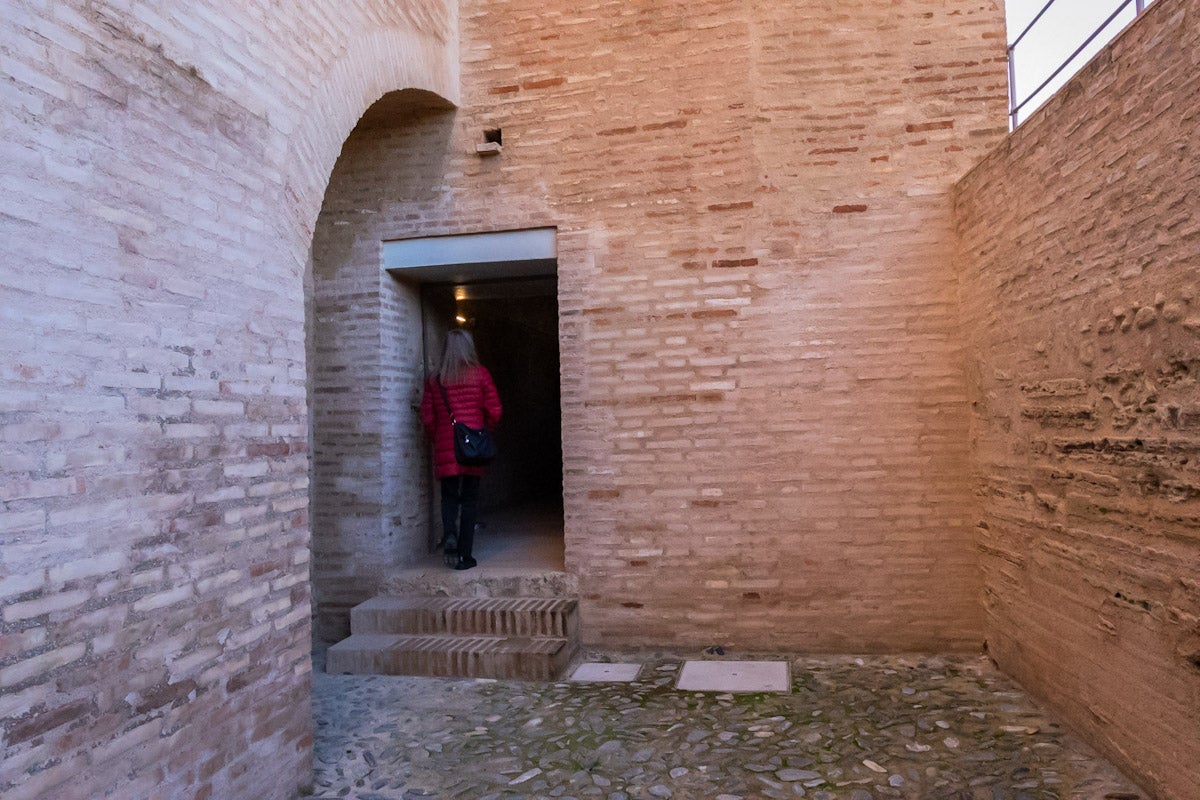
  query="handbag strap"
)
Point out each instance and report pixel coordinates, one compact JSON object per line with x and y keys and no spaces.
{"x":449,"y":410}
{"x":446,"y":400}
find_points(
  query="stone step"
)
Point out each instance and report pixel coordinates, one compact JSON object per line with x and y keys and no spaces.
{"x":469,"y":616}
{"x":450,"y":656}
{"x":485,"y":581}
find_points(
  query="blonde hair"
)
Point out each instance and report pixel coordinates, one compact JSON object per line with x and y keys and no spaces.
{"x":458,"y":357}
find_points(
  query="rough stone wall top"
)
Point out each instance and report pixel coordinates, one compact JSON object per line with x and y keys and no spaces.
{"x":162,"y":165}
{"x":1079,"y":246}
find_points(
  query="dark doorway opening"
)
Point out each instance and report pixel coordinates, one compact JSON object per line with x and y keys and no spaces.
{"x":515,"y":325}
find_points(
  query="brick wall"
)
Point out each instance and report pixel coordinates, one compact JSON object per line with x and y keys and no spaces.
{"x":162,"y":167}
{"x":760,"y":337}
{"x":1079,"y":246}
{"x":763,"y":366}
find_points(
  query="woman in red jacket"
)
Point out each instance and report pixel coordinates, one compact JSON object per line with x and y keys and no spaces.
{"x":472,"y":398}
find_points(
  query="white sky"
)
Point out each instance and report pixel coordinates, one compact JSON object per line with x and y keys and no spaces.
{"x":1058,"y":33}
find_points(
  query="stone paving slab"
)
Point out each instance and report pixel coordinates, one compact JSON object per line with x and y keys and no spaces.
{"x":917,"y":728}
{"x":594,"y":671}
{"x":734,"y":676}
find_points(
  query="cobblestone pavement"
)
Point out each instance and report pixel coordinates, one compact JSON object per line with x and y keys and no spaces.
{"x":927,"y":728}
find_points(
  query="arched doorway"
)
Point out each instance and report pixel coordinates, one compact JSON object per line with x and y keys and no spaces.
{"x":376,"y":327}
{"x":506,"y":294}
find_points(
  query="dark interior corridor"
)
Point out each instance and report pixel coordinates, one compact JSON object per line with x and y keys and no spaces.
{"x":515,"y":325}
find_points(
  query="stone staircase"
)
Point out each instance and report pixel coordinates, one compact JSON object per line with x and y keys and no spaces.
{"x":524,"y":638}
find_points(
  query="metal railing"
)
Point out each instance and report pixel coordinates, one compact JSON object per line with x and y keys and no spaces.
{"x":1016,"y":104}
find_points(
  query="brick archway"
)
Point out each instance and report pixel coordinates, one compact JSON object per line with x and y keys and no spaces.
{"x":376,"y":64}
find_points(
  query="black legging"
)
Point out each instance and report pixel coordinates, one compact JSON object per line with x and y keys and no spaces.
{"x":460,"y":493}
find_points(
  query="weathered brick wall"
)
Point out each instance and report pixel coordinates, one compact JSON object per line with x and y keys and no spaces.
{"x":1079,"y":253}
{"x":763,"y":364}
{"x":162,"y":165}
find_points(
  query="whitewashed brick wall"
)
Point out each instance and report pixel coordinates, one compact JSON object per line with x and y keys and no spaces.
{"x":162,"y":165}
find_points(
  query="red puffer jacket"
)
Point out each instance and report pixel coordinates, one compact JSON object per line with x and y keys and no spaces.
{"x":475,"y":403}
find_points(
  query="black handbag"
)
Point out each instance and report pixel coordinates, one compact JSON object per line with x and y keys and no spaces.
{"x":473,"y":447}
